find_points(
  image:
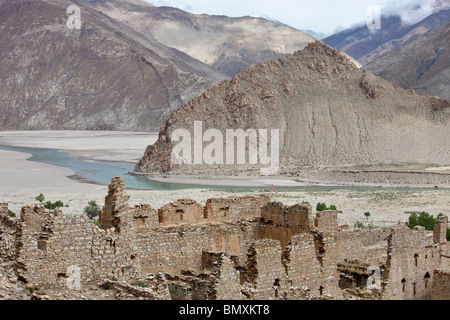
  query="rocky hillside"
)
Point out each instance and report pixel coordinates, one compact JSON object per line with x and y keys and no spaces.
{"x":328,"y":113}
{"x":422,"y":64}
{"x":229,"y":45}
{"x":104,"y":76}
{"x":366,"y":45}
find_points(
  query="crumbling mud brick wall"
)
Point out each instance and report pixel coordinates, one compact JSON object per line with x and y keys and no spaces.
{"x":441,"y":285}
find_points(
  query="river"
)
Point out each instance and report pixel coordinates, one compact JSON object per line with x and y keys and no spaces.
{"x":101,"y":172}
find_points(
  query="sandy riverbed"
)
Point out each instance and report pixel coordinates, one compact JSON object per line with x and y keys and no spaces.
{"x":22,"y":180}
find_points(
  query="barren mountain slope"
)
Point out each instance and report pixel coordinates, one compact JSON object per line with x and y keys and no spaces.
{"x":329,"y":113}
{"x":104,"y":76}
{"x":422,"y":64}
{"x":366,"y":45}
{"x":227,"y":44}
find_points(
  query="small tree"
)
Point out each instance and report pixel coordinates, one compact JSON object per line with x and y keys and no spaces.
{"x":321,"y":207}
{"x":367,"y":214}
{"x":424,"y":220}
{"x":92,"y":210}
{"x":40,"y":198}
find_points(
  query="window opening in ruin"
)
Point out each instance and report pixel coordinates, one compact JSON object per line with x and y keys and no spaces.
{"x":426,"y":279}
{"x":276,"y":285}
{"x":321,"y":290}
{"x":404,"y":285}
{"x":414,"y":288}
{"x":416,"y":258}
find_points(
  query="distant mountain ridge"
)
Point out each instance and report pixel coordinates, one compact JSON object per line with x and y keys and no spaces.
{"x":422,"y":64}
{"x":366,"y":45}
{"x":229,"y":45}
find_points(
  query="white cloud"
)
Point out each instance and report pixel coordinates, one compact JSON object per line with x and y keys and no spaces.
{"x":320,"y":15}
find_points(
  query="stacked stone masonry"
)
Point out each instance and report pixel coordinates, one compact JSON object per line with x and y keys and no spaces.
{"x":239,"y":248}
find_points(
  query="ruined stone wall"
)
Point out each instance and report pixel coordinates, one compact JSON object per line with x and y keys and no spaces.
{"x":281,"y":222}
{"x":3,"y":209}
{"x":326,"y":220}
{"x":234,"y":209}
{"x":245,"y":247}
{"x":441,"y":285}
{"x":303,"y":266}
{"x":266,"y":272}
{"x":10,"y":230}
{"x":181,"y":211}
{"x":173,"y":249}
{"x":226,"y":281}
{"x":440,"y":231}
{"x":349,"y":246}
{"x":56,"y":248}
{"x":412,"y":259}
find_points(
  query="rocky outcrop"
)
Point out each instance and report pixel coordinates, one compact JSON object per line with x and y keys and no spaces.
{"x":327,"y":111}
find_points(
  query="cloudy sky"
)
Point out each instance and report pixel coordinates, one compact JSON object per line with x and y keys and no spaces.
{"x":324,"y":16}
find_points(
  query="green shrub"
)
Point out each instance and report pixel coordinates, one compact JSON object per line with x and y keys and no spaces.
{"x":424,"y":220}
{"x":40,"y":198}
{"x":367,"y":214}
{"x":52,"y":206}
{"x":323,"y":207}
{"x":359,"y":225}
{"x":11,"y":214}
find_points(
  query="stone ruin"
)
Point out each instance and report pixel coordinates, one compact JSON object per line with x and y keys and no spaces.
{"x":241,"y":248}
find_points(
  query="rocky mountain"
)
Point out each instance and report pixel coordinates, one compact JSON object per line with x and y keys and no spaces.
{"x":366,"y":45}
{"x":422,"y":64}
{"x":328,"y":113}
{"x":103,"y":76}
{"x":229,"y":45}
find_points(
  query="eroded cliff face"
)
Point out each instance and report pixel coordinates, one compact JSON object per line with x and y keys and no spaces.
{"x":104,"y":76}
{"x":327,"y":111}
